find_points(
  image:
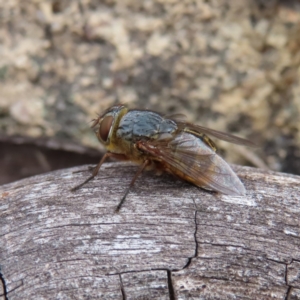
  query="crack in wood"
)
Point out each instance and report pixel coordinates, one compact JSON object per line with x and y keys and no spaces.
{"x":170,"y":285}
{"x":169,"y":279}
{"x":279,"y":262}
{"x":6,"y":292}
{"x":169,"y":272}
{"x":196,"y":230}
{"x":294,"y":260}
{"x":288,"y":292}
{"x":196,"y":244}
{"x":290,"y":287}
{"x":286,"y":275}
{"x":122,"y":287}
{"x":2,"y":280}
{"x":142,"y":271}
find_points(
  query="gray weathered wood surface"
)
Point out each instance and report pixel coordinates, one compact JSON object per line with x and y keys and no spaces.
{"x":171,"y":240}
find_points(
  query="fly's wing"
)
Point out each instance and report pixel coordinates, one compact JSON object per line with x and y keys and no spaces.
{"x":179,"y":118}
{"x":218,"y":134}
{"x":189,"y":155}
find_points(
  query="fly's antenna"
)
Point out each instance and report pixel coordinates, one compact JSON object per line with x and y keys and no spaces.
{"x":95,"y":121}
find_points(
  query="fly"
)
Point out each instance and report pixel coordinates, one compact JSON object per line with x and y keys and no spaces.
{"x":166,"y":144}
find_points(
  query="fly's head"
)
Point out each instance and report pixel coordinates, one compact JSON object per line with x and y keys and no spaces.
{"x":106,"y":124}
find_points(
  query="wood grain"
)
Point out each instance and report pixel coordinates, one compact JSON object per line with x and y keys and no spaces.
{"x":170,"y":240}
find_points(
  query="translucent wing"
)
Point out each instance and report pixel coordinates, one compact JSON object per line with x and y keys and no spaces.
{"x":180,"y":118}
{"x":188,"y":157}
{"x":218,"y":134}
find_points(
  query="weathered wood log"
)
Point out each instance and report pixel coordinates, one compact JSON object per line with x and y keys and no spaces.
{"x":171,"y":240}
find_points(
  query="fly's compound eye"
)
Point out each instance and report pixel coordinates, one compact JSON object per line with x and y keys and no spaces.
{"x":105,"y":128}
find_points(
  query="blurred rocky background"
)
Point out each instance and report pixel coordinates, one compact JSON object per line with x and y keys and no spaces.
{"x":232,"y":65}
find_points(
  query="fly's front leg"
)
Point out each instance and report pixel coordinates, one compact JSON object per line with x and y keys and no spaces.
{"x":96,"y":169}
{"x":139,"y":171}
{"x":88,"y":169}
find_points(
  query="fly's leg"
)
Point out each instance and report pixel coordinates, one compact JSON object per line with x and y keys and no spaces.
{"x":139,"y":171}
{"x":80,"y":171}
{"x":96,"y":169}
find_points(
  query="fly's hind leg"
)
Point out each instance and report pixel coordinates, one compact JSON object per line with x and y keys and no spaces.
{"x":97,"y":168}
{"x":139,"y":171}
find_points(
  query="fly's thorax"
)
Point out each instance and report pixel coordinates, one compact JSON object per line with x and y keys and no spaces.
{"x":147,"y":125}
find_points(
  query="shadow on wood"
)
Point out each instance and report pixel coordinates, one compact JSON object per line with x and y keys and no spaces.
{"x":171,"y":240}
